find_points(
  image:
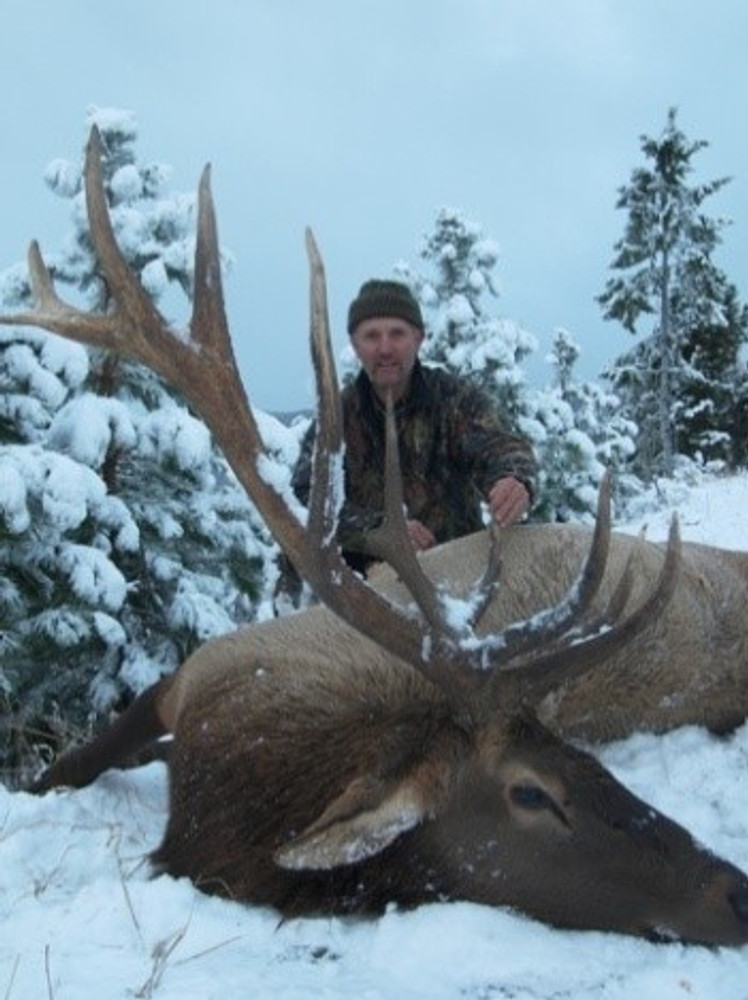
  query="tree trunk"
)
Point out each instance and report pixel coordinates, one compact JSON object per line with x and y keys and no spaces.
{"x":665,"y":407}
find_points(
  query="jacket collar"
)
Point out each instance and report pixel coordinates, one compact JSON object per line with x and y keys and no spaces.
{"x":416,"y":397}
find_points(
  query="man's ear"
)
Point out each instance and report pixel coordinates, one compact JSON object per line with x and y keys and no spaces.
{"x":365,"y":818}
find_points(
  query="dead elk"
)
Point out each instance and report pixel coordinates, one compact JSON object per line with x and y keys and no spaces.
{"x":385,"y":749}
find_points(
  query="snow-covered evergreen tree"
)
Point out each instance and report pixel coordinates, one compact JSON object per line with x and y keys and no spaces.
{"x":739,"y":430}
{"x":666,"y":274}
{"x":124,"y":539}
{"x":454,"y":293}
{"x":713,"y":380}
{"x":38,"y":373}
{"x":579,"y":433}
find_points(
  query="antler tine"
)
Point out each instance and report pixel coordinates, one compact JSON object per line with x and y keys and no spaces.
{"x":579,"y":631}
{"x":144,"y":335}
{"x":392,"y":543}
{"x":208,"y":325}
{"x":140,"y":336}
{"x":51,"y":313}
{"x":41,"y":283}
{"x":491,"y":579}
{"x":326,"y":495}
{"x":425,"y":644}
{"x":615,"y":606}
{"x":548,"y":625}
{"x":333,"y":580}
{"x":548,"y":671}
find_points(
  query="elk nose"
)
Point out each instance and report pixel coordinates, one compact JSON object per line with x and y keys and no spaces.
{"x":739,"y":902}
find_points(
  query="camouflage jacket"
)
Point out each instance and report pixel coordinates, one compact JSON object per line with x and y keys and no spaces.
{"x":453,"y":448}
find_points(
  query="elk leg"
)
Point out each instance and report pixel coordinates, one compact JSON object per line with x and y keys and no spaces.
{"x":135,"y":730}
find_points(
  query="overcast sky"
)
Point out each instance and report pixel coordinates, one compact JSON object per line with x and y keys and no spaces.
{"x":363,"y":118}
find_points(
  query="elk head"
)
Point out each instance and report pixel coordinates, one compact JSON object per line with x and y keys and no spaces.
{"x":451,"y":788}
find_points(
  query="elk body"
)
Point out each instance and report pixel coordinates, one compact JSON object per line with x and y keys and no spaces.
{"x":387,"y":749}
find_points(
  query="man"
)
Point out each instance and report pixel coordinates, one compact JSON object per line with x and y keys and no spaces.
{"x":455,"y":453}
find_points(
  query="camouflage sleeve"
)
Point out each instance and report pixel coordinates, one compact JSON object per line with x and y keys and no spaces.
{"x":354,"y":526}
{"x":354,"y":521}
{"x":487,"y":448}
{"x":301,"y":477}
{"x":289,"y":586}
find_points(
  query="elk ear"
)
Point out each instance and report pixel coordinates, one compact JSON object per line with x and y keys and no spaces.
{"x":362,"y":821}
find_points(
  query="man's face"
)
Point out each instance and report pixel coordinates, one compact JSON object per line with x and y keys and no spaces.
{"x":387,"y":348}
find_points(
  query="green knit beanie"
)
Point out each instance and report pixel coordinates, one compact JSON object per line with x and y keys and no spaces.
{"x":384,"y":298}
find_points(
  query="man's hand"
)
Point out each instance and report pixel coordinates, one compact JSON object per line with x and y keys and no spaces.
{"x":420,"y":536}
{"x":509,"y":501}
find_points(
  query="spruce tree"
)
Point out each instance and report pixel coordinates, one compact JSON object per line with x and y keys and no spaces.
{"x":711,"y":384}
{"x":739,"y":428}
{"x":666,"y":276}
{"x":579,"y":433}
{"x":455,"y":292}
{"x":124,"y":539}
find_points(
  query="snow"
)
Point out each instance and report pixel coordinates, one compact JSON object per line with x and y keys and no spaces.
{"x":81,"y":916}
{"x":171,"y":433}
{"x":63,"y":177}
{"x":204,"y":615}
{"x":13,"y":497}
{"x":92,"y":577}
{"x":89,"y":427}
{"x":126,"y":184}
{"x":155,"y":278}
{"x":69,"y":492}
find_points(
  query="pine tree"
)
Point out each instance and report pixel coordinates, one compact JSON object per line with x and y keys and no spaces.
{"x":124,"y":539}
{"x":462,"y":335}
{"x":667,"y":276}
{"x":38,"y":373}
{"x":579,"y":433}
{"x":710,"y":386}
{"x":739,"y":427}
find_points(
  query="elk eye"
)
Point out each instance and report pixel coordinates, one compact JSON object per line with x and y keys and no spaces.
{"x":530,"y":797}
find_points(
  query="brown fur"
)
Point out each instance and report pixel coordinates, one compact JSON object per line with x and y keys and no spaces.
{"x":293,"y":729}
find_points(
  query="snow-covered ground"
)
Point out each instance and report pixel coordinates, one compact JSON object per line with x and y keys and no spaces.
{"x":81,"y":918}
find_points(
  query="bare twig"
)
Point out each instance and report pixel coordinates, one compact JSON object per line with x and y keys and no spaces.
{"x":12,"y":979}
{"x":126,"y":893}
{"x":209,"y":951}
{"x":161,"y":954}
{"x":48,"y":973}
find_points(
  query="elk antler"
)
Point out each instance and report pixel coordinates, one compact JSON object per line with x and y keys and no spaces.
{"x":201,"y":365}
{"x":577,"y":654}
